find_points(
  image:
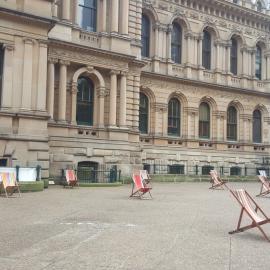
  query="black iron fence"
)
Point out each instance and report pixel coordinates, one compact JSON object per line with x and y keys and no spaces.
{"x":199,"y":170}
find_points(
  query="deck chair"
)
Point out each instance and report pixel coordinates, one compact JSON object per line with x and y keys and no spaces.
{"x":217,"y":183}
{"x":145,"y":176}
{"x":262,"y":173}
{"x":71,"y":178}
{"x":9,"y":184}
{"x":139,"y":188}
{"x":251,"y":208}
{"x":265,"y":187}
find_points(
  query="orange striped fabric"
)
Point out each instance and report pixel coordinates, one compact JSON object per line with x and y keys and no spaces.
{"x":8,"y":179}
{"x":242,"y":197}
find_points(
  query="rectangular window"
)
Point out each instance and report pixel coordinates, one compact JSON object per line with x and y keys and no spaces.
{"x":1,"y":69}
{"x":87,"y":15}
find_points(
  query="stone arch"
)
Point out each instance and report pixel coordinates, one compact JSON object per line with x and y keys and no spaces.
{"x":180,"y":96}
{"x":181,"y":20}
{"x":212,"y":29}
{"x":262,"y":108}
{"x":238,"y":105}
{"x":211,"y":102}
{"x":151,"y":13}
{"x":90,"y":72}
{"x":238,"y":36}
{"x":149,"y":93}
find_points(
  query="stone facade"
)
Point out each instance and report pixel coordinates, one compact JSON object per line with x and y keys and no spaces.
{"x":46,"y":51}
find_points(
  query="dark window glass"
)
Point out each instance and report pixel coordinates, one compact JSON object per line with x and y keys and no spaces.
{"x":1,"y":69}
{"x":204,"y":121}
{"x":176,"y":169}
{"x":143,"y":114}
{"x":145,"y":36}
{"x":87,"y":14}
{"x":259,"y":6}
{"x":85,"y":102}
{"x":235,"y":1}
{"x":234,"y":51}
{"x":257,"y":127}
{"x":3,"y":162}
{"x":258,"y":62}
{"x":232,"y":124}
{"x":235,"y":171}
{"x":206,"y":47}
{"x":174,"y":117}
{"x":206,"y":169}
{"x":176,"y":45}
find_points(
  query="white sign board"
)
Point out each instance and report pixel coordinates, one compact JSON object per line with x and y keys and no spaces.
{"x":27,"y":174}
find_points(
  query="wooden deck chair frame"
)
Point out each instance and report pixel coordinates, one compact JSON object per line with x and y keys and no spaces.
{"x":246,"y":207}
{"x":216,"y":182}
{"x":139,"y":189}
{"x":71,"y":182}
{"x":10,"y":184}
{"x":145,"y":176}
{"x":265,"y":186}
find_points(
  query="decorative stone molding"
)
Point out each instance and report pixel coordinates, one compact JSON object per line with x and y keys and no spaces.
{"x":102,"y":92}
{"x":114,"y":72}
{"x":9,"y":47}
{"x":52,"y":60}
{"x":158,"y":106}
{"x":64,"y":62}
{"x":74,"y":88}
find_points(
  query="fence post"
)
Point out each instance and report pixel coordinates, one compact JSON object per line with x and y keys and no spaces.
{"x":245,"y":171}
{"x":38,"y":168}
{"x":196,"y":169}
{"x":17,"y":172}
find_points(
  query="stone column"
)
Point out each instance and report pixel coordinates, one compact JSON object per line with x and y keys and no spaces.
{"x":253,"y":63}
{"x":244,"y":61}
{"x":156,"y":29}
{"x":74,"y":91}
{"x":104,"y":16}
{"x":50,"y":87}
{"x":114,"y":15}
{"x":136,"y":102}
{"x":228,"y":69}
{"x":55,"y":9}
{"x":165,"y":121}
{"x":218,"y":56}
{"x":123,"y":100}
{"x":27,"y":74}
{"x":169,"y":42}
{"x":62,"y":98}
{"x":200,"y":39}
{"x":124,"y":7}
{"x":189,"y":56}
{"x":66,"y":10}
{"x":75,"y":10}
{"x":42,"y":77}
{"x":101,"y":95}
{"x":7,"y":79}
{"x":113,"y":98}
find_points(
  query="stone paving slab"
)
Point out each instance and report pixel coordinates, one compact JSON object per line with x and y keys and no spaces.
{"x":184,"y":227}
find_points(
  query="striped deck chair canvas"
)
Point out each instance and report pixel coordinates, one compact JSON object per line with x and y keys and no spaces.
{"x":71,"y":178}
{"x":251,"y":208}
{"x":9,"y":183}
{"x":145,"y":176}
{"x":262,"y":173}
{"x":139,"y":188}
{"x":265,"y":186}
{"x":215,"y":180}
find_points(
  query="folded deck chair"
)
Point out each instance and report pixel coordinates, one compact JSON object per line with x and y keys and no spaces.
{"x":139,"y":188}
{"x":145,"y":176}
{"x":251,"y":208}
{"x":217,"y":183}
{"x":265,"y":187}
{"x":9,"y":184}
{"x":71,"y":178}
{"x":263,"y":173}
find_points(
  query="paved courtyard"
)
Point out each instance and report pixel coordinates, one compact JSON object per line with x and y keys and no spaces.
{"x":185,"y":226}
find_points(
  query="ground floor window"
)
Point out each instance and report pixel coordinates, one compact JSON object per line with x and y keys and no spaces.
{"x":235,"y":171}
{"x":206,"y":169}
{"x":176,"y":169}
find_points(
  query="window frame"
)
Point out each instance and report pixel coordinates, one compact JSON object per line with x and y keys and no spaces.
{"x":91,"y":15}
{"x":145,"y":36}
{"x":84,"y":103}
{"x":258,"y":62}
{"x":257,"y":128}
{"x":206,"y":50}
{"x":234,"y":57}
{"x":144,"y":114}
{"x":232,"y":125}
{"x":205,"y":125}
{"x":174,"y":117}
{"x":176,"y":43}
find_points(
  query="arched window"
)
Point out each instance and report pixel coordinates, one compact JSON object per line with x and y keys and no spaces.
{"x":176,"y":46}
{"x":235,"y":1}
{"x":85,"y":102}
{"x":257,"y":126}
{"x":206,"y":50}
{"x":258,"y":62}
{"x":234,"y":51}
{"x":145,"y":36}
{"x":143,"y":114}
{"x":232,"y":124}
{"x":174,"y":117}
{"x":87,"y":15}
{"x":259,"y":6}
{"x":204,"y":121}
{"x":1,"y":69}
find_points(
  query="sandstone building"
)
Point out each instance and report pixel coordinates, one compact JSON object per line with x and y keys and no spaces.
{"x":135,"y":83}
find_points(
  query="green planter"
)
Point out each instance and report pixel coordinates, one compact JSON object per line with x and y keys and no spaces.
{"x":31,"y":186}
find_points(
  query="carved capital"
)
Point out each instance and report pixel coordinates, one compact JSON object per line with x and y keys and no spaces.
{"x":28,"y":41}
{"x":102,"y":92}
{"x":124,"y":73}
{"x":43,"y":43}
{"x":90,"y":69}
{"x":52,"y":60}
{"x":114,"y":72}
{"x":64,"y":62}
{"x":9,"y":47}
